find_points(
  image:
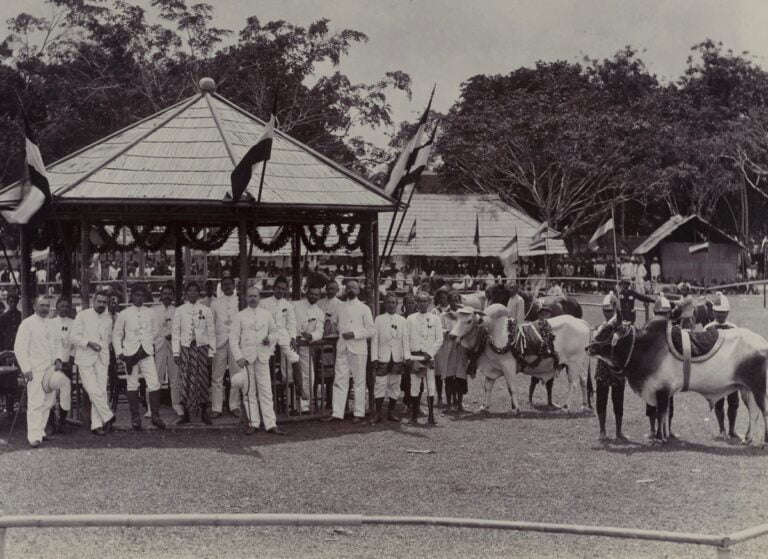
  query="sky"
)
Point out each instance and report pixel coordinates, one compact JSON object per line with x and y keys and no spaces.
{"x":444,"y":42}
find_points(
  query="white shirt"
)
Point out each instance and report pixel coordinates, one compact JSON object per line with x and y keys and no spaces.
{"x":246,"y":337}
{"x":354,"y":316}
{"x":329,"y":306}
{"x":390,"y":339}
{"x":425,"y":333}
{"x":655,"y":270}
{"x":282,"y":313}
{"x":113,"y":273}
{"x":224,"y":309}
{"x":163,"y":324}
{"x":193,"y":322}
{"x":309,"y":319}
{"x":42,"y":275}
{"x":516,"y":308}
{"x":34,"y":345}
{"x":134,"y":328}
{"x":61,"y":330}
{"x":90,"y":326}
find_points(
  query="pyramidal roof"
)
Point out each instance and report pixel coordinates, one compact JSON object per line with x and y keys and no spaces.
{"x":185,"y":153}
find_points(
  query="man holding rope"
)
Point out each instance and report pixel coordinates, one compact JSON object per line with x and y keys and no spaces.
{"x":252,"y":338}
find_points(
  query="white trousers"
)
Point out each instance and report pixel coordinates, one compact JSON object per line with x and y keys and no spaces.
{"x":256,"y":387}
{"x":349,"y":365}
{"x":307,"y":374}
{"x":39,"y":403}
{"x":145,"y":368}
{"x":387,"y":387}
{"x":223,"y":360}
{"x":94,"y":379}
{"x":416,"y":378}
{"x":167,"y":371}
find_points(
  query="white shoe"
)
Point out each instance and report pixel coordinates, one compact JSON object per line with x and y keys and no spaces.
{"x":148,"y":414}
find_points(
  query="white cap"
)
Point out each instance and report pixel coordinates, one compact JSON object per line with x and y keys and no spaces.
{"x":662,"y":305}
{"x":720,"y":303}
{"x":608,"y":302}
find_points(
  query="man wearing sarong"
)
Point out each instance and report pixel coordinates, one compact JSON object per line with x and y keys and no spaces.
{"x":252,"y":338}
{"x":91,"y":336}
{"x":425,"y":337}
{"x":721,"y":308}
{"x":455,"y":366}
{"x":193,"y":339}
{"x":36,"y":351}
{"x":133,"y":340}
{"x":167,"y":371}
{"x":389,"y":346}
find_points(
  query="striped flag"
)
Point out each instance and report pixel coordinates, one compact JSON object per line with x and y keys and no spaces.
{"x":697,"y":248}
{"x":260,"y":152}
{"x":418,"y":167}
{"x":412,"y":232}
{"x":509,"y":252}
{"x":407,"y":157}
{"x":602,"y":230}
{"x":539,"y":239}
{"x":23,"y":200}
{"x":476,"y":242}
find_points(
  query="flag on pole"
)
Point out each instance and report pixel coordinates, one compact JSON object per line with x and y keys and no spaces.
{"x":476,"y":242}
{"x":261,"y":151}
{"x":700,"y":247}
{"x":22,"y":201}
{"x":412,"y":232}
{"x":419,"y":166}
{"x":509,"y":252}
{"x":539,"y":239}
{"x":407,"y":157}
{"x":602,"y":230}
{"x":276,"y":234}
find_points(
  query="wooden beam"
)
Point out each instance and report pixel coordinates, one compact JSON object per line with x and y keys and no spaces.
{"x":85,"y":260}
{"x":25,"y":266}
{"x":242,"y":247}
{"x":64,"y":260}
{"x":296,"y":263}
{"x":178,"y":264}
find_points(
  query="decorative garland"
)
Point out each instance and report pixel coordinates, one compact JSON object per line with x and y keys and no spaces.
{"x":142,"y":238}
{"x":315,"y":242}
{"x":215,"y":240}
{"x":517,"y":344}
{"x":282,"y":239}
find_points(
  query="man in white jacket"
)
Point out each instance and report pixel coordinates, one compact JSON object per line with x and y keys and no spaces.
{"x":425,"y":336}
{"x":252,"y":339}
{"x":164,"y":363}
{"x":309,"y":320}
{"x":224,"y":309}
{"x":91,"y":336}
{"x":133,"y":340}
{"x":389,"y":347}
{"x":354,"y":323}
{"x":36,"y":351}
{"x":61,"y":328}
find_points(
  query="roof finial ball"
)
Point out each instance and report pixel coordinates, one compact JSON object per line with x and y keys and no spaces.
{"x":207,"y":85}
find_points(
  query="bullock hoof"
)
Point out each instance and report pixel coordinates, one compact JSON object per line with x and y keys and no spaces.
{"x":554,"y":407}
{"x":720,"y":436}
{"x":484,"y":410}
{"x":734,"y":436}
{"x":516,"y":411}
{"x":603,"y":437}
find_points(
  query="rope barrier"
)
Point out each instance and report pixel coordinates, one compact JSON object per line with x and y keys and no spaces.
{"x":722,"y":543}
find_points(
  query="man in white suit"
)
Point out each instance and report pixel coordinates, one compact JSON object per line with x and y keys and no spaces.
{"x":425,"y":336}
{"x":309,"y":320}
{"x":36,"y":354}
{"x":167,"y":371}
{"x":61,"y":329}
{"x":224,"y":309}
{"x":133,"y":340}
{"x":389,"y":347}
{"x":252,"y":338}
{"x":354,"y":323}
{"x":91,"y":336}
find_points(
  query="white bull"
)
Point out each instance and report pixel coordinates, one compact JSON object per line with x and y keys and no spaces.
{"x":572,"y":336}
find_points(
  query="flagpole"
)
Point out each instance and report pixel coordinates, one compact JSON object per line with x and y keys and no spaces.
{"x":8,"y":261}
{"x":615,"y":248}
{"x":264,"y":163}
{"x":402,"y":218}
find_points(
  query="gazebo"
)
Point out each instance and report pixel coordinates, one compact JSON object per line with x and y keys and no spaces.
{"x":166,"y":179}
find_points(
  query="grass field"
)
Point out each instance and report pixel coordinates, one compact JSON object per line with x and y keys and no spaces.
{"x":539,"y":466}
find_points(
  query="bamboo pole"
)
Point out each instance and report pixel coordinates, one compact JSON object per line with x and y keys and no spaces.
{"x":85,"y":259}
{"x":25,"y":261}
{"x":296,"y":263}
{"x":178,"y":261}
{"x":242,"y":248}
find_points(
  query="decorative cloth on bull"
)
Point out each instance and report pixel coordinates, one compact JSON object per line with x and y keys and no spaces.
{"x":529,"y":340}
{"x":692,"y":347}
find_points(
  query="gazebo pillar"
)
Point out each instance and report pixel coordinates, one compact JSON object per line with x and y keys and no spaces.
{"x":64,"y":258}
{"x":296,"y":262}
{"x":25,"y":265}
{"x":85,"y":260}
{"x":370,"y":249}
{"x":242,"y":247}
{"x":178,"y":266}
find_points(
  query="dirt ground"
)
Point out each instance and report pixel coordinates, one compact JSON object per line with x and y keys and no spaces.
{"x":539,"y":466}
